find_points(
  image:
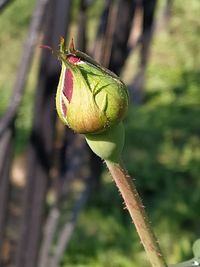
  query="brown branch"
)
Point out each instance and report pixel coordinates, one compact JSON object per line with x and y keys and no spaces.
{"x":4,"y":3}
{"x":67,"y":230}
{"x":49,"y":232}
{"x":108,"y":38}
{"x":41,"y":147}
{"x":24,"y":66}
{"x":6,"y":145}
{"x":137,"y":85}
{"x":121,"y":34}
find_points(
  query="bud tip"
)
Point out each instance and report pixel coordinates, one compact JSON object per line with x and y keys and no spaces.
{"x":71,"y":46}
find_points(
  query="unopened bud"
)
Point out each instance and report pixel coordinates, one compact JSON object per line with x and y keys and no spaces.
{"x":90,"y":98}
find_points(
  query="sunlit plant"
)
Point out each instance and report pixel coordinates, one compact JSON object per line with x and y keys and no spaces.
{"x":93,"y":101}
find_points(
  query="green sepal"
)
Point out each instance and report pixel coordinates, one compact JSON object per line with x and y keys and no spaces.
{"x":109,"y":144}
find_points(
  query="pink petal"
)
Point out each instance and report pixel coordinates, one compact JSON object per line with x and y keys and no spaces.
{"x":64,"y":108}
{"x":68,"y":85}
{"x":73,"y":59}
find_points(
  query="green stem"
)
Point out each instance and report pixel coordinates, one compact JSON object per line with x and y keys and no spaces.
{"x":136,"y":209}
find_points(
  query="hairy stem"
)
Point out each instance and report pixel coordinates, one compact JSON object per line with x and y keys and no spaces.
{"x":136,"y":209}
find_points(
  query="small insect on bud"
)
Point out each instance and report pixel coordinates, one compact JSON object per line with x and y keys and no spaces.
{"x":90,"y":99}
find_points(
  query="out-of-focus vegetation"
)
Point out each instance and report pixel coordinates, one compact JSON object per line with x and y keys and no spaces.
{"x":162,"y":144}
{"x":14,"y":22}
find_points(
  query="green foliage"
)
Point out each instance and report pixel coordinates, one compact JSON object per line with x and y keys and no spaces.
{"x":13,"y":26}
{"x":104,"y":235}
{"x":163,"y":153}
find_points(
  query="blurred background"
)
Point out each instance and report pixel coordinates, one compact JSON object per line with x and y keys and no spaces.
{"x":58,"y":204}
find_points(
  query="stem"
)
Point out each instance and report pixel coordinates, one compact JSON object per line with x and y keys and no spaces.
{"x":136,"y":209}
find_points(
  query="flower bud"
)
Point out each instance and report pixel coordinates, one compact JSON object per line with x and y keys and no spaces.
{"x":90,"y":98}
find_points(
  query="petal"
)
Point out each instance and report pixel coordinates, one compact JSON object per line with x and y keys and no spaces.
{"x":73,"y":59}
{"x":64,"y":108}
{"x":68,"y":85}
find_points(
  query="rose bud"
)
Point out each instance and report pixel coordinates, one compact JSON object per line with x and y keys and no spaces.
{"x":90,"y":98}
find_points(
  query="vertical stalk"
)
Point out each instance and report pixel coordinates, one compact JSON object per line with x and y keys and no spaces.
{"x":136,"y":209}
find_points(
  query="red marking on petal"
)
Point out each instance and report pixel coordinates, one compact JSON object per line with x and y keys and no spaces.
{"x":68,"y":85}
{"x":73,"y":59}
{"x":64,"y":108}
